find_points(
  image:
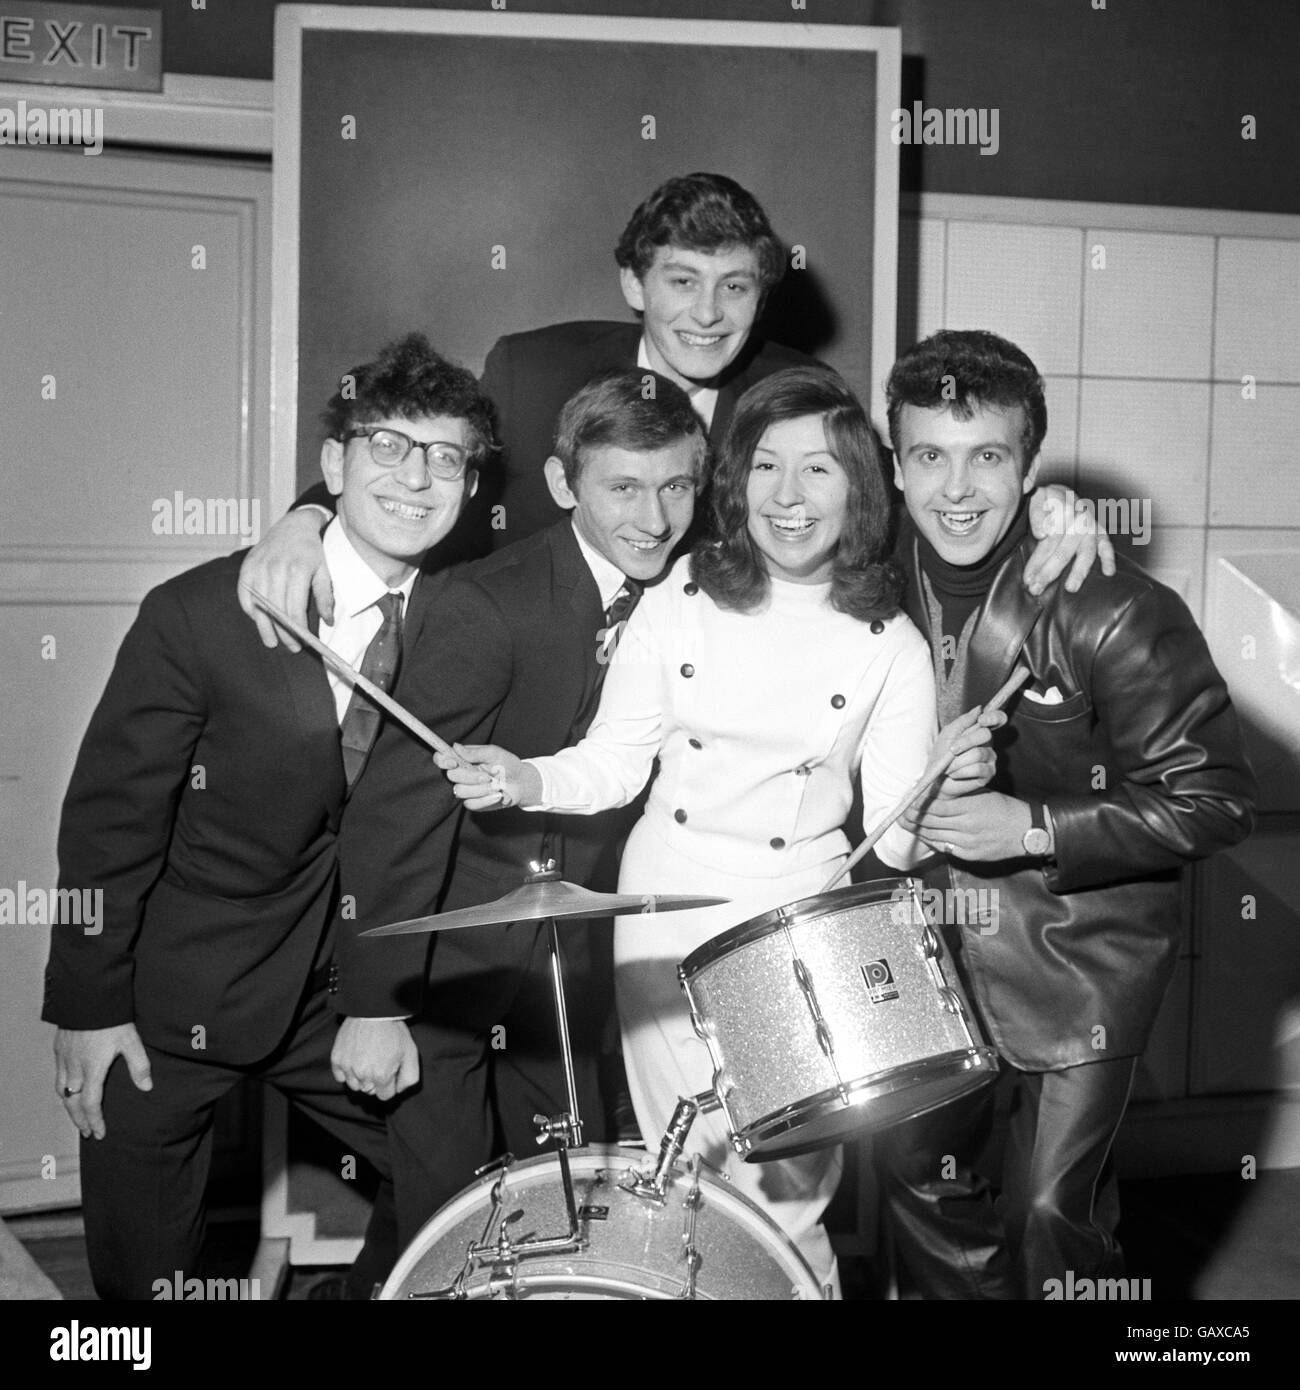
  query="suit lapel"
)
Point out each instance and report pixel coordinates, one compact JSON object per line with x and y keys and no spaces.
{"x":309,"y":689}
{"x":576,"y":589}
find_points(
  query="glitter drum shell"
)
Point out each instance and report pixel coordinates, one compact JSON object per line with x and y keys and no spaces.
{"x":833,"y":1014}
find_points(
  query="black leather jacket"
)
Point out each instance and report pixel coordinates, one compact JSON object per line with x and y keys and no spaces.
{"x":1142,"y":766}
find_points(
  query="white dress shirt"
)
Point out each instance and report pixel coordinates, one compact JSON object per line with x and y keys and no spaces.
{"x":357,"y":591}
{"x":703,"y":398}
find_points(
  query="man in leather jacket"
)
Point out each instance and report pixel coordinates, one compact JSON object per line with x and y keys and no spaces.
{"x":1122,"y":761}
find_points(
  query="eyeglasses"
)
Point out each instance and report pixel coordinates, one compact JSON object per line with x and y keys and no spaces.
{"x":388,"y":448}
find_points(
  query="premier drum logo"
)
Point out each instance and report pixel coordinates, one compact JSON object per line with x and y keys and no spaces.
{"x":879,"y":980}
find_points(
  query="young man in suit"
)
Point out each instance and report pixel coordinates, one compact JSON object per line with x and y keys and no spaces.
{"x":696,"y":261}
{"x":515,"y":654}
{"x":1122,"y":761}
{"x":205,"y":805}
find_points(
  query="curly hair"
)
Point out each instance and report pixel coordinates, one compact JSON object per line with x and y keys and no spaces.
{"x":407,"y":380}
{"x":729,"y":566}
{"x":962,"y":370}
{"x":700,"y":212}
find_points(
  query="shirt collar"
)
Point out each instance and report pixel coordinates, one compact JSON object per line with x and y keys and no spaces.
{"x":356,"y":586}
{"x":609,"y":578}
{"x":704,"y":399}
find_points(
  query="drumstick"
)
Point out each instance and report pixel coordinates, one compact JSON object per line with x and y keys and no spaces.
{"x":934,"y":770}
{"x":350,"y":673}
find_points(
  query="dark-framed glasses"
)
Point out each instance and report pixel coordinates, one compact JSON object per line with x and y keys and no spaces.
{"x":388,"y":448}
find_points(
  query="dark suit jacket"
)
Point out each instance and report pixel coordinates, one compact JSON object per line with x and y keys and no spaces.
{"x":508,"y":656}
{"x":205,"y":803}
{"x":1143,"y":768}
{"x":529,"y":377}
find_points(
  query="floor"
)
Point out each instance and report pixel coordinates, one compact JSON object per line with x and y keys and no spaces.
{"x":1207,"y":1237}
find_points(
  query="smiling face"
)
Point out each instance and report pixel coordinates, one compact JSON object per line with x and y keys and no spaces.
{"x":632,"y":506}
{"x":962,"y":480}
{"x":393,"y":515}
{"x":698,"y":308}
{"x":798,"y":496}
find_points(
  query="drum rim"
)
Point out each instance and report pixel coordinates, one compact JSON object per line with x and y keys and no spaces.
{"x":792,"y":915}
{"x":790,"y":1118}
{"x":594,"y":1158}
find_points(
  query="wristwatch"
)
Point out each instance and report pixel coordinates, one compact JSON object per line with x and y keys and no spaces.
{"x":1037,"y":842}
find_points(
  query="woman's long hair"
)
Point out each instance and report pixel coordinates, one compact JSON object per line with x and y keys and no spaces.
{"x":729,"y":567}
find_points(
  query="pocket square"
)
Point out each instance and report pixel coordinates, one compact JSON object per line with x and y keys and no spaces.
{"x":1050,"y":696}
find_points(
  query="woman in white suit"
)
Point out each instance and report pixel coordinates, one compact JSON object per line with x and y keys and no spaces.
{"x":767,"y":671}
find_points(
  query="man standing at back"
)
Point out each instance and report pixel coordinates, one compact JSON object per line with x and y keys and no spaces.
{"x":696,"y":261}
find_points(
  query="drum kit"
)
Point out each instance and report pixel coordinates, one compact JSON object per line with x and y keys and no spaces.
{"x":823,"y":1018}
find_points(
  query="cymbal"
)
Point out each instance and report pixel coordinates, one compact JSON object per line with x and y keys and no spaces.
{"x":536,"y":901}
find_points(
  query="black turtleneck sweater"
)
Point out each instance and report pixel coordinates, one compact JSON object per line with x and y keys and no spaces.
{"x":960,"y":589}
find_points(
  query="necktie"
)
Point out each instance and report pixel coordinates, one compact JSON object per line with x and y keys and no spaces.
{"x":606,"y":641}
{"x":379,"y":664}
{"x":616,"y":615}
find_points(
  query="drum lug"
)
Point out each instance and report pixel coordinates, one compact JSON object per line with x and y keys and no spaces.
{"x":690,"y":1251}
{"x":951,"y":1001}
{"x":804,"y":978}
{"x":929,"y":943}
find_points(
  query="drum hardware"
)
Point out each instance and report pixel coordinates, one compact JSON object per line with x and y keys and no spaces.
{"x":705,"y":1242}
{"x":690,"y":1251}
{"x":652,"y":1185}
{"x":821,"y":1028}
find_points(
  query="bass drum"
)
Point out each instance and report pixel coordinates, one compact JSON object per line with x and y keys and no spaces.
{"x":703,"y":1242}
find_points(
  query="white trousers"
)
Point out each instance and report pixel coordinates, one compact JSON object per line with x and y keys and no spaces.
{"x":665,"y":1059}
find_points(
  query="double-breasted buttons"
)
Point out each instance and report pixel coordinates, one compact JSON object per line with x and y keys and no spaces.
{"x":877,"y":627}
{"x":837,"y":701}
{"x":691,"y":589}
{"x":803,"y":770}
{"x":695,"y":743}
{"x":688,"y":670}
{"x":777,"y":842}
{"x":680,"y":817}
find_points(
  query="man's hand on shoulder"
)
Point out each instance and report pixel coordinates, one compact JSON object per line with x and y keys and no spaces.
{"x":284,"y":566}
{"x":1067,"y":534}
{"x":376,"y":1056}
{"x":82,"y":1058}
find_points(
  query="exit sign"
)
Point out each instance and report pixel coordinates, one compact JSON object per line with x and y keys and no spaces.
{"x":81,"y":46}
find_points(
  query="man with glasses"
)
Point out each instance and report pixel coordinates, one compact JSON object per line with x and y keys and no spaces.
{"x":205,"y":805}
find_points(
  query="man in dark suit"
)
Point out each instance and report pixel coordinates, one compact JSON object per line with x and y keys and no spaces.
{"x":697,"y":261}
{"x":1121,"y":761}
{"x":205,"y":806}
{"x":514,"y":654}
